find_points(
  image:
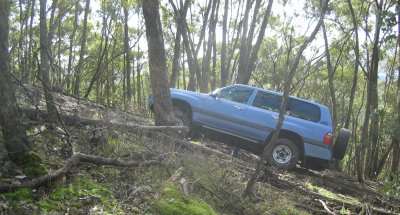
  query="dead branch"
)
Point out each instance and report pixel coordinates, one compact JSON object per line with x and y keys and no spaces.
{"x":70,"y":165}
{"x":75,"y":120}
{"x":325,"y":206}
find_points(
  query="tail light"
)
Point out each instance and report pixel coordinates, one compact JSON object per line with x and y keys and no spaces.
{"x":328,"y":138}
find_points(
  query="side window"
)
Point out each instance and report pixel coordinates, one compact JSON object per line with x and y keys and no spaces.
{"x":236,"y":94}
{"x":267,"y":101}
{"x":304,"y":110}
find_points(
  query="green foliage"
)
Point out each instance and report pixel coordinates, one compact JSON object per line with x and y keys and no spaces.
{"x":16,"y":200}
{"x":24,"y":195}
{"x":174,"y":202}
{"x":81,"y":193}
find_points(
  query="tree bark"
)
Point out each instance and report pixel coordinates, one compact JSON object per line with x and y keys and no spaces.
{"x":207,"y":55}
{"x":395,"y":138}
{"x":14,"y":135}
{"x":45,"y":65}
{"x":288,"y":80}
{"x":71,"y":46}
{"x":373,"y":154}
{"x":330,"y":78}
{"x":157,"y":63}
{"x":127,"y":59}
{"x":358,"y":148}
{"x":224,"y":71}
{"x":243,"y":45}
{"x":260,"y":38}
{"x":180,"y":16}
{"x":78,"y":70}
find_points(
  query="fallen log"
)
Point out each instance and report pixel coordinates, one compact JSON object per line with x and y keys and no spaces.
{"x":70,"y":165}
{"x":75,"y":120}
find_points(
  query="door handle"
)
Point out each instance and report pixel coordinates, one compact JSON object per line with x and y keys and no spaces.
{"x":275,"y":117}
{"x":238,"y":107}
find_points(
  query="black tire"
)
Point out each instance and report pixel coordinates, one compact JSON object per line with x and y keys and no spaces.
{"x":339,"y":149}
{"x":181,"y":117}
{"x":284,"y":154}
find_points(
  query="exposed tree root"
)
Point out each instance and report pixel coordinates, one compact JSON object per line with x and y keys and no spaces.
{"x":70,"y":165}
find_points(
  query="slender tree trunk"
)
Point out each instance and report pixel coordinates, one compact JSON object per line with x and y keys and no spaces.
{"x":45,"y":65}
{"x":224,"y":72}
{"x":207,"y":57}
{"x":14,"y":135}
{"x":127,"y":59}
{"x":373,"y":154}
{"x":288,"y":80}
{"x":31,"y":76}
{"x":396,"y":138}
{"x":254,"y":52}
{"x":78,"y":71}
{"x":358,"y":148}
{"x":157,"y":63}
{"x":243,"y":45}
{"x":71,"y":46}
{"x":330,"y":78}
{"x":180,"y":15}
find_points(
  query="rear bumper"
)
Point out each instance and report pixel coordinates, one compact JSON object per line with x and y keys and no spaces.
{"x":312,"y":150}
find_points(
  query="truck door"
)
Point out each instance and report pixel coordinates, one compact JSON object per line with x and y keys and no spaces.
{"x":224,"y":111}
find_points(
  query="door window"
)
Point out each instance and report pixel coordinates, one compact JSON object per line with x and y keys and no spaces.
{"x":236,"y":94}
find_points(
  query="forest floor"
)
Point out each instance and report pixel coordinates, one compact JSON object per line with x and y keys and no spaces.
{"x":196,"y":176}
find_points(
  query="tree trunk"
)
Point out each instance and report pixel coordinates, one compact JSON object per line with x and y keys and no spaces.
{"x":71,"y":46}
{"x":157,"y":64}
{"x":45,"y":65}
{"x":224,"y":71}
{"x":358,"y":148}
{"x":395,"y":137}
{"x":14,"y":135}
{"x":372,"y":161}
{"x":254,"y":52}
{"x":288,"y":80}
{"x":78,"y":71}
{"x":243,"y":45}
{"x":30,"y":47}
{"x":207,"y":55}
{"x":127,"y":58}
{"x":180,"y":15}
{"x":330,"y":78}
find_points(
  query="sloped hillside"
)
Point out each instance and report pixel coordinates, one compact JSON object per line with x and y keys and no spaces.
{"x":166,"y":174}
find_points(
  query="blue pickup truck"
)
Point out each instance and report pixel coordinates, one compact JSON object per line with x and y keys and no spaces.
{"x":248,"y":116}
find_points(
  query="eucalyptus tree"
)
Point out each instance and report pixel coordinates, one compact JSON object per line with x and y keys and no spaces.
{"x":14,"y":135}
{"x":78,"y":69}
{"x":267,"y":152}
{"x":157,"y":64}
{"x":45,"y":64}
{"x":395,"y":137}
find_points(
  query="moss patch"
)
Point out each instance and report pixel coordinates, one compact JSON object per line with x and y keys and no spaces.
{"x":175,"y":202}
{"x":34,"y":170}
{"x":29,"y":157}
{"x":81,"y":193}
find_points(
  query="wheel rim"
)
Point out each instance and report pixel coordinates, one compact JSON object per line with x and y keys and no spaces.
{"x":180,"y":121}
{"x":282,"y":154}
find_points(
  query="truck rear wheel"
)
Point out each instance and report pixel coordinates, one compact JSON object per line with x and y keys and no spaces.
{"x":284,"y":154}
{"x":339,"y":149}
